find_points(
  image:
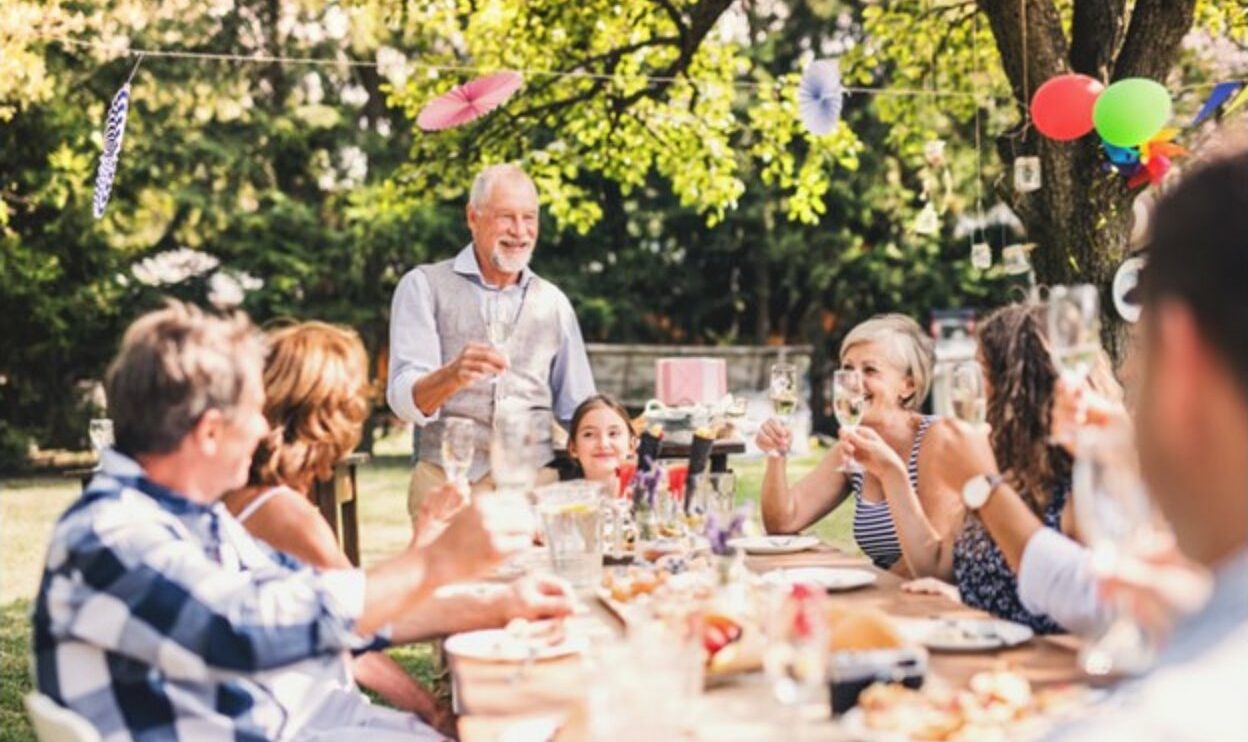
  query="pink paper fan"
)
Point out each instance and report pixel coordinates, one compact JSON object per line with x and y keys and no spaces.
{"x":469,"y":101}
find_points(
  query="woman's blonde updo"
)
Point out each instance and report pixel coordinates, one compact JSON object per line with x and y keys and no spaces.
{"x":316,"y":399}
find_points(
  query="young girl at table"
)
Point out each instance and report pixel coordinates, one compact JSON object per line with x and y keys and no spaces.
{"x":1020,"y":378}
{"x":894,"y":357}
{"x":601,"y":440}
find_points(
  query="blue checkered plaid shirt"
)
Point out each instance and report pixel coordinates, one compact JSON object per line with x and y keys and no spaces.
{"x":159,"y":618}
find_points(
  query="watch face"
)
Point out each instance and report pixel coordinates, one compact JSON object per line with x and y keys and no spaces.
{"x":975,"y":492}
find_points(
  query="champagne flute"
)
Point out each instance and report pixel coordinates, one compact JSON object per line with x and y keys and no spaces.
{"x":1074,"y":332}
{"x":849,"y":402}
{"x":795,"y":660}
{"x":499,"y":321}
{"x":1118,"y":519}
{"x":783,"y":394}
{"x":967,"y":393}
{"x":458,"y":445}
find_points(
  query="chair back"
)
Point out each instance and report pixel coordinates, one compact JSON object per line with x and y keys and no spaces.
{"x":55,"y":723}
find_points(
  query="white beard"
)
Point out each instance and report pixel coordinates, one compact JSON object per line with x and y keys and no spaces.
{"x":511,"y":265}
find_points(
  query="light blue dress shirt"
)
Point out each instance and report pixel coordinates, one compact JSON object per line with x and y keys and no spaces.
{"x":416,"y":349}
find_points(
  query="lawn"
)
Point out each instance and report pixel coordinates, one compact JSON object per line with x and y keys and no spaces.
{"x":29,"y":506}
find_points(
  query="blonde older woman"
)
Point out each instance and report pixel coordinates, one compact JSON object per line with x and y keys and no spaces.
{"x":316,"y":400}
{"x":895,"y":358}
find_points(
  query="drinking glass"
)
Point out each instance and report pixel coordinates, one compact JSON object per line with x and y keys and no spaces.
{"x":967,"y":393}
{"x":849,"y":402}
{"x":499,"y":322}
{"x":1117,"y":518}
{"x":795,"y":660}
{"x":100,"y":431}
{"x":782,"y":392}
{"x":571,"y":515}
{"x":514,"y":448}
{"x":721,"y":494}
{"x":1074,"y":332}
{"x":458,"y":445}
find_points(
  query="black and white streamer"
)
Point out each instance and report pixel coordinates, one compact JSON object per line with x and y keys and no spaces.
{"x":114,"y":132}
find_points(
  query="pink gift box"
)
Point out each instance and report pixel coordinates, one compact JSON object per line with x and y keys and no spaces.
{"x":685,"y":381}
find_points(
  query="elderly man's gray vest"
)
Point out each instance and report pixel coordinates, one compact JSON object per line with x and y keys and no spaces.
{"x":531,"y":349}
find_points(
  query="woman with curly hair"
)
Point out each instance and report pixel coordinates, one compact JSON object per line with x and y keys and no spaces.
{"x":316,"y":400}
{"x":1020,"y":379}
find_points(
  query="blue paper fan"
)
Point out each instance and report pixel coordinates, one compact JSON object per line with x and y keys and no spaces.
{"x":819,"y":96}
{"x":114,"y":132}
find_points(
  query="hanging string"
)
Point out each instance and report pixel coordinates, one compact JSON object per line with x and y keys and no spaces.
{"x":475,"y":69}
{"x":979,"y":150}
{"x":1022,"y":22}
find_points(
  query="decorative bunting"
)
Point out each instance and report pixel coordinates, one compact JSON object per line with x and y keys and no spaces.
{"x":1221,"y":93}
{"x":819,"y":96}
{"x":114,"y":133}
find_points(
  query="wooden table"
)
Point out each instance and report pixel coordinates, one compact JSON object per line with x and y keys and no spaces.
{"x":490,"y":699}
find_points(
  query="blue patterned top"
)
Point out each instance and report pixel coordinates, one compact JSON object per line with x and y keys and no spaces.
{"x":984,"y":579}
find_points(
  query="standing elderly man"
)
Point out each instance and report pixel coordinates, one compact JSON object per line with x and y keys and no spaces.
{"x":160,"y":617}
{"x":440,"y":363}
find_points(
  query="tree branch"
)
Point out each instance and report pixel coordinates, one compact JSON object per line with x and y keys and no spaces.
{"x":1096,"y":35}
{"x":1152,"y":43}
{"x":1044,"y":44}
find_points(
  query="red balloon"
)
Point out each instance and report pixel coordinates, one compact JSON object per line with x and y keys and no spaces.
{"x":1062,"y":107}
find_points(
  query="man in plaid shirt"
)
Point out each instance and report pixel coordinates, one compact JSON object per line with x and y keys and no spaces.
{"x":159,"y":617}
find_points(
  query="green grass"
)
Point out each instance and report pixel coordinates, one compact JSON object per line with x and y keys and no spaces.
{"x":29,"y":507}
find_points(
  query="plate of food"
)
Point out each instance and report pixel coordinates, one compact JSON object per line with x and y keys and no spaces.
{"x":520,"y":641}
{"x":964,"y":634}
{"x":773,"y":544}
{"x":832,"y":579}
{"x":996,"y":705}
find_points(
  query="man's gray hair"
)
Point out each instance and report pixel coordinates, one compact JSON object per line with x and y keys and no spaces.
{"x":174,"y":365}
{"x":491,"y":174}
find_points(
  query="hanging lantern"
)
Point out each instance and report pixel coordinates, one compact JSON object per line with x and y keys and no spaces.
{"x":1027,"y":174}
{"x":981,"y":256}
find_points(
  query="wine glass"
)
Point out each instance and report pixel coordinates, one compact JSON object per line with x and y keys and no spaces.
{"x":782,"y":392}
{"x":795,"y":660}
{"x":967,"y":393}
{"x":1074,"y":333}
{"x":849,"y":402}
{"x":100,"y":431}
{"x":514,"y":448}
{"x":1117,"y":518}
{"x":458,"y":445}
{"x":499,"y":321}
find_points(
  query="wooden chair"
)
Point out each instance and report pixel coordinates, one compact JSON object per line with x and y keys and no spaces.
{"x":336,"y":498}
{"x":55,"y":723}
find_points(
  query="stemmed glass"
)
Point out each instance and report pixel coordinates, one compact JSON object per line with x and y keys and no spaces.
{"x":849,"y":402}
{"x":499,"y":321}
{"x":782,"y":392}
{"x":100,"y":431}
{"x":1074,"y":332}
{"x":795,"y":660}
{"x":967,"y":393}
{"x":458,"y":445}
{"x":1116,"y":516}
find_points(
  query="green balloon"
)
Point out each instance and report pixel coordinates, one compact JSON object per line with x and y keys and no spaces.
{"x":1131,"y":111}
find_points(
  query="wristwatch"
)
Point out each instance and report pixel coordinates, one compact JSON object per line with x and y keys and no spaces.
{"x":978,"y":489}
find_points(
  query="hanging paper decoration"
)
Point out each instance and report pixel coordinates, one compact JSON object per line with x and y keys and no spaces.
{"x":114,"y":133}
{"x":1131,"y":111}
{"x":927,"y":222}
{"x":1126,"y":279}
{"x":1148,"y":163}
{"x":1240,"y":100}
{"x":981,"y":256}
{"x":1027,"y":174}
{"x":469,"y":101}
{"x":1062,"y":107}
{"x":1221,"y":93}
{"x":1014,"y":258}
{"x":819,"y":96}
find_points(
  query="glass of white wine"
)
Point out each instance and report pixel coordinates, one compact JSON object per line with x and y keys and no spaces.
{"x":967,"y":394}
{"x":849,"y":402}
{"x":499,"y":322}
{"x":783,"y":395}
{"x":459,"y":443}
{"x":1074,"y":332}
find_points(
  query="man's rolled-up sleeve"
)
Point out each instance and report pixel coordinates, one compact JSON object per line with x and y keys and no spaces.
{"x":415,"y":348}
{"x":1055,"y":578}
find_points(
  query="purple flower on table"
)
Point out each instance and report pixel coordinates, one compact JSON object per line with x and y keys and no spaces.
{"x":646,"y":484}
{"x":720,"y":534}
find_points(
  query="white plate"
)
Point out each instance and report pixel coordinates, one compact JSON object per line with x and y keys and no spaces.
{"x":496,"y":645}
{"x":964,"y":634}
{"x":774,"y":544}
{"x":829,"y":578}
